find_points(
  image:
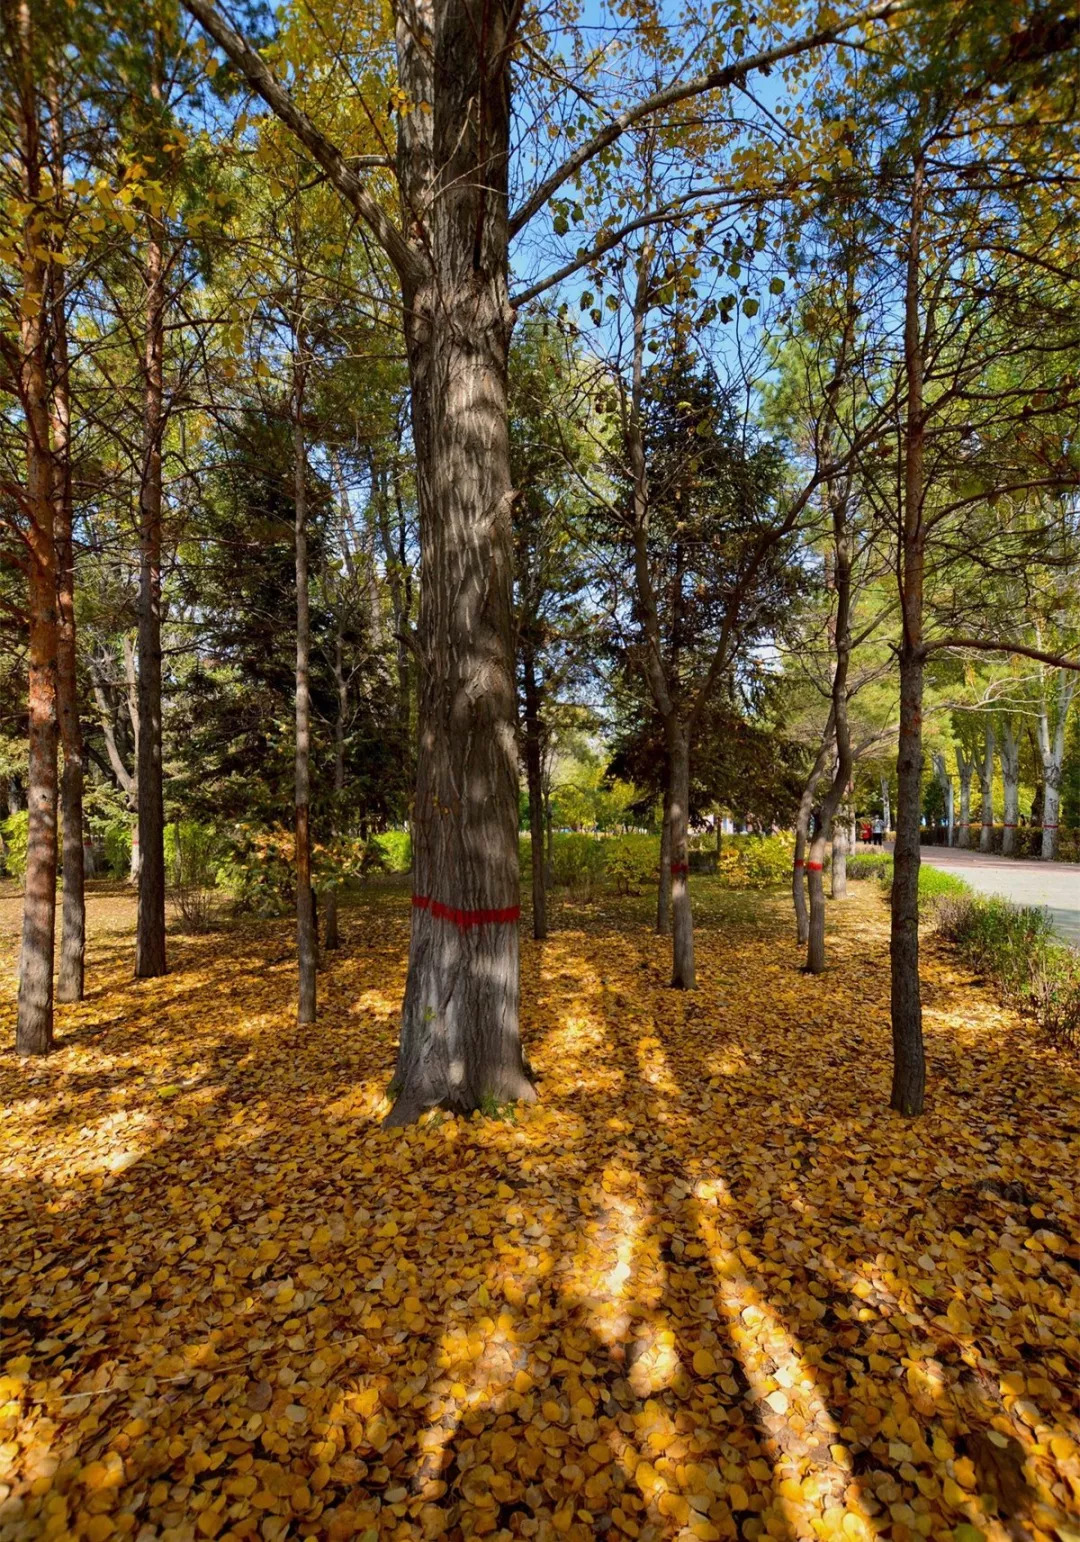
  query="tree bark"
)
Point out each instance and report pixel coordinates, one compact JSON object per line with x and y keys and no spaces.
{"x":802,"y":836}
{"x":909,"y":1060}
{"x":34,"y":1023}
{"x":150,"y":929}
{"x":886,"y":808}
{"x":534,"y":776}
{"x":1010,"y":776}
{"x":1051,"y":728}
{"x":986,"y":784}
{"x":966,"y":770}
{"x":460,"y":1036}
{"x":838,"y":874}
{"x":331,"y":939}
{"x":682,"y":920}
{"x":69,"y":982}
{"x":663,"y":887}
{"x":306,"y":947}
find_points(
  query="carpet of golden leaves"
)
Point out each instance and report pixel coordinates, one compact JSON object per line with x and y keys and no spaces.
{"x":708,"y":1287}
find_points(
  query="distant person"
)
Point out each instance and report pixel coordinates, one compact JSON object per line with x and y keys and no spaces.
{"x":879,"y":830}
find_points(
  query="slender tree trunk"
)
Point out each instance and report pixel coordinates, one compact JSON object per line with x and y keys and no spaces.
{"x":331,"y":938}
{"x":69,"y":982}
{"x":1010,"y":776}
{"x":986,"y":784}
{"x":306,"y":947}
{"x":967,"y":770}
{"x":534,"y":774}
{"x":802,"y":837}
{"x":150,"y":929}
{"x":839,"y":857}
{"x":682,"y":920}
{"x":909,"y":1060}
{"x":34,"y":1025}
{"x":663,"y":886}
{"x":886,"y":808}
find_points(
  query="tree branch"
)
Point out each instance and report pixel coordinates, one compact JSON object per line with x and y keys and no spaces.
{"x":402,"y":254}
{"x":714,"y":80}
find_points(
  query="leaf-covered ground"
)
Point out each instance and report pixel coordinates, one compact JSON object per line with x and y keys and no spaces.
{"x":708,"y":1287}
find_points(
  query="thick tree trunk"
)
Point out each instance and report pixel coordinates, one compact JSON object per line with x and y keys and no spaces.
{"x":150,"y":929}
{"x":1010,"y":776}
{"x":909,"y":1059}
{"x":663,"y":885}
{"x":682,"y":920}
{"x":34,"y":1023}
{"x":534,"y":775}
{"x":839,"y":857}
{"x":69,"y":982}
{"x":460,"y":1042}
{"x":986,"y":785}
{"x":306,"y":947}
{"x":460,"y":1034}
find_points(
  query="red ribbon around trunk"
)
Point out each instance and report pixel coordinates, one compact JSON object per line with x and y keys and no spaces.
{"x":679,"y":867}
{"x":815,"y":867}
{"x":464,"y":919}
{"x":799,"y":862}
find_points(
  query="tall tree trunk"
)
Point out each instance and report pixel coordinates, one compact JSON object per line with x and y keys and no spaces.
{"x":534,"y":775}
{"x":1010,"y":776}
{"x":986,"y":785}
{"x":663,"y":886}
{"x":682,"y":920}
{"x":34,"y":1024}
{"x":909,"y":1059}
{"x":150,"y":929}
{"x":839,"y":856}
{"x":886,"y":808}
{"x":802,"y":836}
{"x":69,"y":982}
{"x":1051,"y":727}
{"x":330,"y":935}
{"x":306,"y":948}
{"x":966,"y":770}
{"x":460,"y":1033}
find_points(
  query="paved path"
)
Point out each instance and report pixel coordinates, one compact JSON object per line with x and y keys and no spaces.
{"x":1056,"y":885}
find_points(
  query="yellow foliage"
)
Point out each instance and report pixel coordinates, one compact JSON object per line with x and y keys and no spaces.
{"x":707,"y":1288}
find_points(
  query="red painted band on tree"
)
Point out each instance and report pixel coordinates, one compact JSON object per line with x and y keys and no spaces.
{"x":464,"y":919}
{"x":815,"y":867}
{"x":799,"y":862}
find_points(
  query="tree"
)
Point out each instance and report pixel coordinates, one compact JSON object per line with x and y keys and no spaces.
{"x":460,"y":1041}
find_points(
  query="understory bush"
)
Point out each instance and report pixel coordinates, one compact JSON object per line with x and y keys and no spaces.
{"x":755,"y":861}
{"x":934,"y":885}
{"x":14,"y":829}
{"x":1016,"y":948}
{"x":631,"y":862}
{"x":391,"y":851}
{"x":193,"y":854}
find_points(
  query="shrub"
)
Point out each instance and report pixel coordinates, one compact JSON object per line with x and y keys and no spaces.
{"x":631,"y":862}
{"x":755,"y":861}
{"x":390,"y":851}
{"x":118,"y":848}
{"x":15,"y":832}
{"x":193,"y":853}
{"x":870,"y":864}
{"x":1017,"y":949}
{"x":577,"y":861}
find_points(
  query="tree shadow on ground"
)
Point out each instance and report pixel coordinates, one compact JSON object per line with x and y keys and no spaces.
{"x":688,"y":1294}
